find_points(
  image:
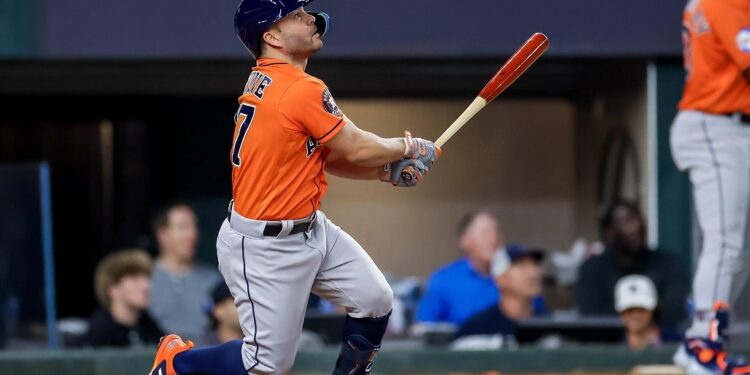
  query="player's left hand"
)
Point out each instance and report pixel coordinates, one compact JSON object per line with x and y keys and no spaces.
{"x":420,"y":149}
{"x":404,"y":173}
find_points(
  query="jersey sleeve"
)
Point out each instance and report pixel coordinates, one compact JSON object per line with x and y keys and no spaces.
{"x":310,"y":108}
{"x":730,"y":22}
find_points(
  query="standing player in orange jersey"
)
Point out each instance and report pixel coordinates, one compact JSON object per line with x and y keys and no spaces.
{"x":276,"y":245}
{"x":710,"y":139}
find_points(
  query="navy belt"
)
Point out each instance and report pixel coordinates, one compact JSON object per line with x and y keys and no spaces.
{"x":743,"y":117}
{"x":273,"y":230}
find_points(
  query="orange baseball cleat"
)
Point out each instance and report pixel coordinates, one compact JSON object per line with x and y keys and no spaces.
{"x":169,"y":346}
{"x":700,"y":356}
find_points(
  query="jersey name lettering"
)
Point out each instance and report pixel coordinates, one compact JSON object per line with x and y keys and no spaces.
{"x":257,"y":83}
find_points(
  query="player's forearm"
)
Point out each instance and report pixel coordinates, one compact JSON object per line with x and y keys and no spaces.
{"x":345,"y":169}
{"x":365,"y":149}
{"x":374,"y":151}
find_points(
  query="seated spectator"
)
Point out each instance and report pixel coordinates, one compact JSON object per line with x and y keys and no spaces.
{"x":517,"y":274}
{"x":180,"y":285}
{"x":465,"y":287}
{"x":636,"y":302}
{"x":625,"y":253}
{"x":122,"y":284}
{"x":224,"y":317}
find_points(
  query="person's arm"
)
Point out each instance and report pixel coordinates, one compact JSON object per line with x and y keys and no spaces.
{"x":730,"y":22}
{"x":339,"y":166}
{"x":309,"y":108}
{"x":362,"y":148}
{"x":357,"y":154}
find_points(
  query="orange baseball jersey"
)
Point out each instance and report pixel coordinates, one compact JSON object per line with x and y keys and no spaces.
{"x":278,"y":162}
{"x":716,"y":40}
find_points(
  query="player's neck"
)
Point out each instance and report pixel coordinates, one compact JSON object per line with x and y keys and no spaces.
{"x":124,"y":315}
{"x":299,"y":62}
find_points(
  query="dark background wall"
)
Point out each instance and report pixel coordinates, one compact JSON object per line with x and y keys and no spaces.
{"x":139,"y":29}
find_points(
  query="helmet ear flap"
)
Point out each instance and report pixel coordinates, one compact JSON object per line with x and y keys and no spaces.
{"x":322,"y":22}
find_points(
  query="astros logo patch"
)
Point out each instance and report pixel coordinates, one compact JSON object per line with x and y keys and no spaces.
{"x":330,"y":105}
{"x":743,"y":40}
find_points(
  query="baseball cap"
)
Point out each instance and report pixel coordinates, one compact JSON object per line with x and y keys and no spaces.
{"x":504,"y":257}
{"x":219,"y":293}
{"x":635,"y":291}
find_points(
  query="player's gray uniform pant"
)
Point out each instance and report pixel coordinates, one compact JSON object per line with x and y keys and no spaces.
{"x":271,"y":279}
{"x":715,"y":150}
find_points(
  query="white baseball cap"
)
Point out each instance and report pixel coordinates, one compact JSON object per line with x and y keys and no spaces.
{"x":635,"y":291}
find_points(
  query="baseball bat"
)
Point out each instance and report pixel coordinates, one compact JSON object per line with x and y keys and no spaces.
{"x":505,"y":76}
{"x":516,"y":65}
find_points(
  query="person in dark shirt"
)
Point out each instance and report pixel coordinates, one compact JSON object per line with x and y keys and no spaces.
{"x":122,"y":284}
{"x":464,"y":287}
{"x":623,"y":233}
{"x":518,"y":277}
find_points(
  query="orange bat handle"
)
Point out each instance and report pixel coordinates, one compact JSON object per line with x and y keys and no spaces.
{"x":515,"y":66}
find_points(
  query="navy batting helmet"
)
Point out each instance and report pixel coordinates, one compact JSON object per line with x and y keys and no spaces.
{"x":254,"y":17}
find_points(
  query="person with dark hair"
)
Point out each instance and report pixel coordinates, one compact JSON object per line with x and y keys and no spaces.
{"x":465,"y":286}
{"x":225,"y":320}
{"x":518,"y":277}
{"x":180,"y":285}
{"x":122,"y":285}
{"x":622,"y":230}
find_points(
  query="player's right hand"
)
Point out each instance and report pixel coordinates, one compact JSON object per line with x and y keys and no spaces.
{"x":420,"y":149}
{"x":404,"y":173}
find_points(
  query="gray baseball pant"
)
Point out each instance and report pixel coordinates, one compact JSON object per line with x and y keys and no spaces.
{"x":715,"y":151}
{"x":271,"y":278}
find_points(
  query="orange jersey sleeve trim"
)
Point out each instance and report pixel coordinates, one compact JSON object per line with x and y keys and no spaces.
{"x":332,"y":133}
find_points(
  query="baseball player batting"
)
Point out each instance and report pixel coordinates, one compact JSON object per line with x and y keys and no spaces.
{"x":276,"y":245}
{"x":710,"y":139}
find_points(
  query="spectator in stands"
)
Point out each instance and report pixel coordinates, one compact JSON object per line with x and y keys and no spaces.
{"x":518,"y":277}
{"x":465,"y":287}
{"x":122,"y":284}
{"x":623,"y":233}
{"x":224,"y":317}
{"x":181,"y":286}
{"x":636,"y":301}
